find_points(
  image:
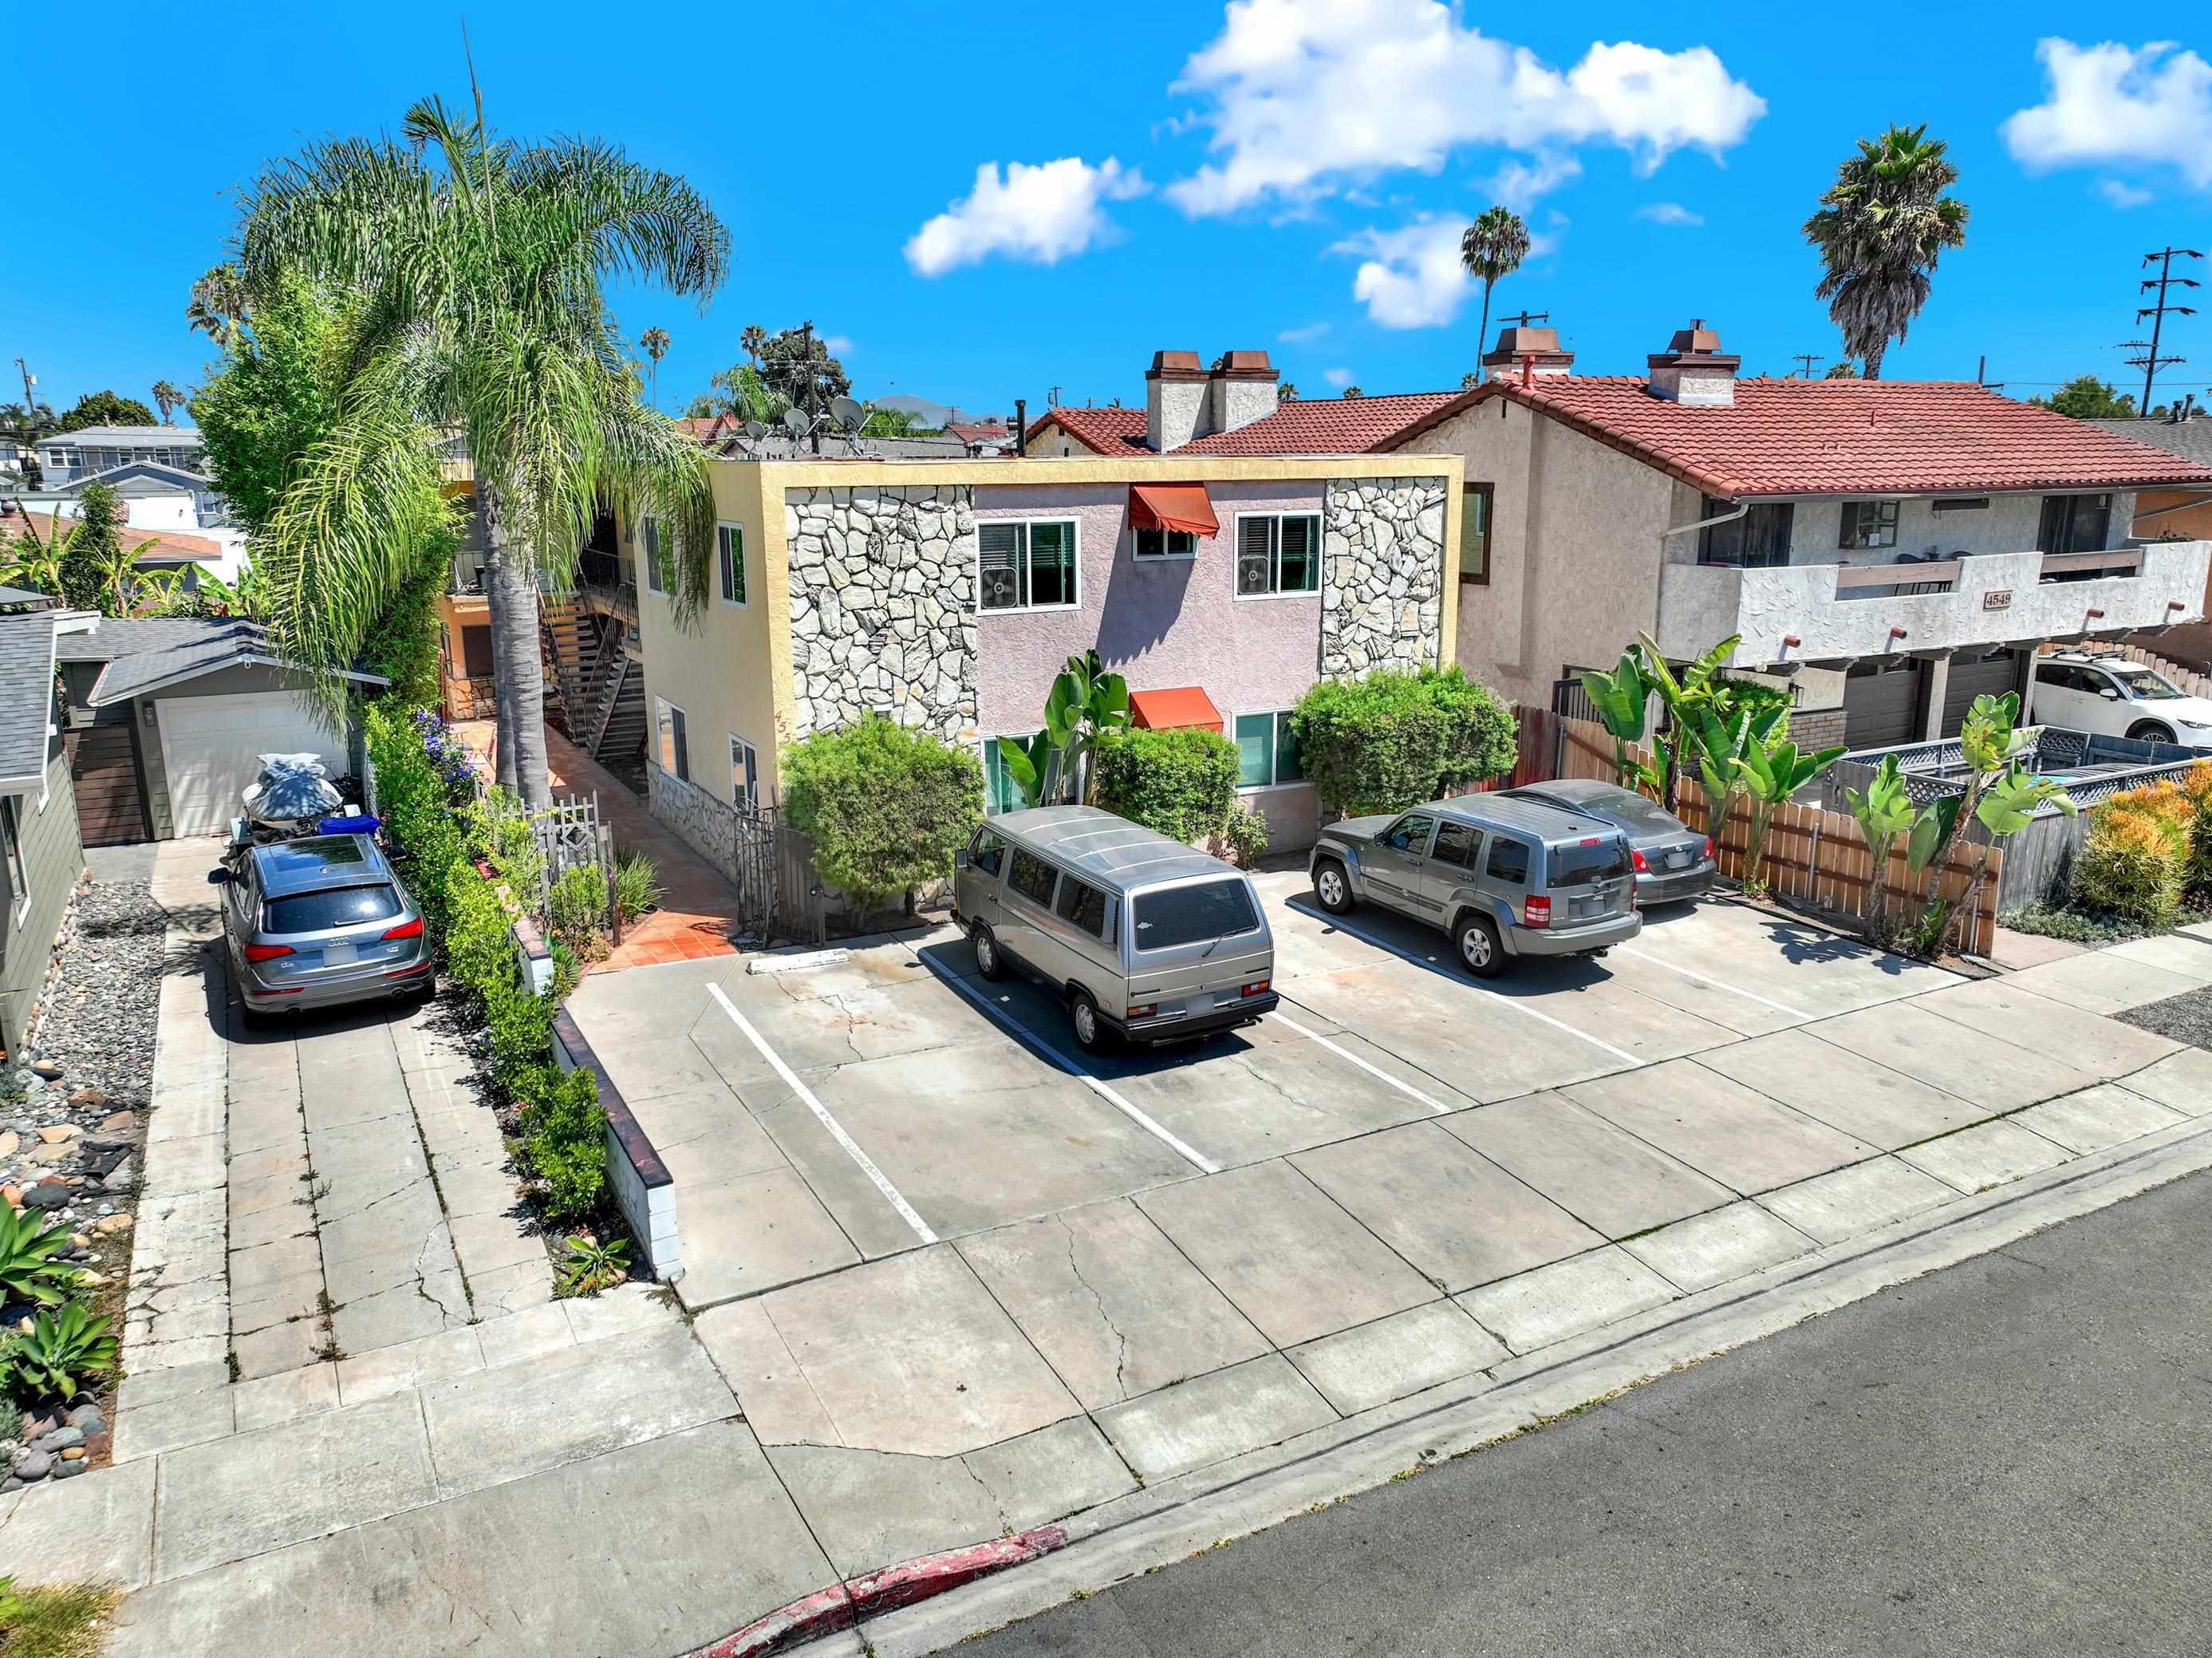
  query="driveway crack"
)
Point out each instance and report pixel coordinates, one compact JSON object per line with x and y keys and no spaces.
{"x":1121,"y":1341}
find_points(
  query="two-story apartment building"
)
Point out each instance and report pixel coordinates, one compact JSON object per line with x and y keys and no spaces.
{"x":65,"y":457}
{"x":948,"y":595}
{"x":1887,"y":549}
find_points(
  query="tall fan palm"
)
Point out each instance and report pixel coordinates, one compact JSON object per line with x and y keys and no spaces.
{"x":217,"y":305}
{"x":753,"y":342}
{"x":1493,"y":247}
{"x":1879,"y":230}
{"x":478,"y":263}
{"x":654,"y":343}
{"x":166,"y":397}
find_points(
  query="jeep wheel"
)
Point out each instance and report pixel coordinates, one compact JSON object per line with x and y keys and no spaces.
{"x":1333,"y":888}
{"x":1479,"y":952}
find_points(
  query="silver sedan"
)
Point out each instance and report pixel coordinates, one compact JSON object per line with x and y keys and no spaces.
{"x":1674,"y":862}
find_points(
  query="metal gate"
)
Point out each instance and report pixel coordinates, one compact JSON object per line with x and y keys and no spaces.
{"x":772,"y":866}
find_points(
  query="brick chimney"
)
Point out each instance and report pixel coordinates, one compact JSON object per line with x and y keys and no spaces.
{"x":1175,"y":400}
{"x":1693,"y":369}
{"x":1240,"y":388}
{"x":1521,"y":346}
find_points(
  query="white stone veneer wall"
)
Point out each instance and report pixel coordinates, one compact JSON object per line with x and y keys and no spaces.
{"x":883,"y":606}
{"x":1383,"y":573}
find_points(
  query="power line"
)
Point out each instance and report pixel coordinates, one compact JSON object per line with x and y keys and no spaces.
{"x":1806,"y":360}
{"x":2150,"y":361}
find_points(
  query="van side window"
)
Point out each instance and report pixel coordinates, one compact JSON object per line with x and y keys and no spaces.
{"x":1409,"y":834}
{"x":1509,"y":861}
{"x":987,"y":853}
{"x":1083,"y":904}
{"x":1457,"y":842}
{"x":1032,"y":877}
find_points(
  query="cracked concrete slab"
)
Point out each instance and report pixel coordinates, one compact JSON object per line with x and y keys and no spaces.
{"x":913,"y":1355}
{"x":1358,"y":1369}
{"x":1609,"y":1180}
{"x":751,"y":1234}
{"x":513,"y":1289}
{"x":1115,"y":1309}
{"x":779,"y":1402}
{"x":1737,"y":1134}
{"x":1459,"y":1219}
{"x":97,"y":1527}
{"x":1211,"y":1418}
{"x":1567,"y":1298}
{"x":279,"y":1347}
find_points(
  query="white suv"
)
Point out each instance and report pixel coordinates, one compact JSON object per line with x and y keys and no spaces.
{"x":2112,"y":697}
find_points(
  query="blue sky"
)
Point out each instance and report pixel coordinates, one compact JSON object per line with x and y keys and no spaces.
{"x":1285,"y":173}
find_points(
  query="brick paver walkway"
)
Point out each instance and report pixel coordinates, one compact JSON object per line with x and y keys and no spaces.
{"x":698,"y":908}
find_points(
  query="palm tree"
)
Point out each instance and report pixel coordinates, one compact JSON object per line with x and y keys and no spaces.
{"x":753,"y":341}
{"x":1879,"y":230}
{"x":217,"y":305}
{"x":166,"y":397}
{"x":477,"y":266}
{"x":27,"y":422}
{"x":1493,"y":246}
{"x":654,"y":343}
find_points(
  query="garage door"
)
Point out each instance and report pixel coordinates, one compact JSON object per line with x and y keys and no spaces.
{"x":209,"y":746}
{"x":1972,"y":676}
{"x":1881,"y":700}
{"x":104,"y":771}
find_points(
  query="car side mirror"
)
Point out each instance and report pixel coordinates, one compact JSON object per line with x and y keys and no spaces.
{"x":960,"y":859}
{"x":2109,"y":694}
{"x":219,"y":877}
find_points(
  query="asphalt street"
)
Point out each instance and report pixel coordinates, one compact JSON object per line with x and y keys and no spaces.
{"x":2013,"y":1456}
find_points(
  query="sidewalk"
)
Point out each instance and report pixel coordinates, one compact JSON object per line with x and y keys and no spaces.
{"x":698,"y":908}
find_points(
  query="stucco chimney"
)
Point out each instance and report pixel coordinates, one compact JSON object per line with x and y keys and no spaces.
{"x":1536,"y":349}
{"x":1175,"y":400}
{"x":1693,"y":369}
{"x":1240,"y":388}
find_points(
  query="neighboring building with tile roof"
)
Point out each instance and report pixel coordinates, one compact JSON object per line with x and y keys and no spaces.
{"x":1886,"y":549}
{"x":2187,"y":513}
{"x":1059,"y":433}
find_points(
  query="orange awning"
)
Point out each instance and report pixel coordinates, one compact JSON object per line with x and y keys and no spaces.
{"x":1172,"y":507}
{"x":1185,"y":705}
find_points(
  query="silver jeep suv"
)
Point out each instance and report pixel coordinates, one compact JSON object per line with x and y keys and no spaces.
{"x":1505,"y":878}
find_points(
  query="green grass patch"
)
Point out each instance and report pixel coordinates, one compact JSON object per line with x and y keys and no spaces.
{"x":55,"y":1623}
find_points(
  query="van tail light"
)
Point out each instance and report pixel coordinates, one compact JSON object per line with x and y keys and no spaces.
{"x":1638,"y":859}
{"x":266,"y":952}
{"x":1709,"y":849}
{"x":1536,"y":911}
{"x":1145,"y":1011}
{"x":1260,"y":988}
{"x":406,"y":930}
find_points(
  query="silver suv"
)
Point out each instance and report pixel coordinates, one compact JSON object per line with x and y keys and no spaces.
{"x":319,"y":922}
{"x":1505,"y":878}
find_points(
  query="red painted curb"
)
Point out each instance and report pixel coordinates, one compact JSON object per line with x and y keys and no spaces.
{"x":840,"y":1605}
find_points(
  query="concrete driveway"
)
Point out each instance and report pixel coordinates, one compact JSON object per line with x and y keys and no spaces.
{"x":963,"y":1277}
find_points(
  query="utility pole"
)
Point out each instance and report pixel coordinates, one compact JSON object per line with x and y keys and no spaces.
{"x":30,"y":398}
{"x":2150,"y":363}
{"x":1805,"y":360}
{"x":1052,"y":397}
{"x":1526,"y":318}
{"x":1982,"y":375}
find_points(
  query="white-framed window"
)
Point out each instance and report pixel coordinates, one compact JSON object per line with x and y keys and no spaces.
{"x":1026,"y":564}
{"x":648,"y":542}
{"x":1266,"y":750}
{"x":745,"y":773}
{"x":1278,"y":554}
{"x":1155,"y":544}
{"x":11,"y":848}
{"x":730,"y":562}
{"x":671,"y":741}
{"x":1001,"y":792}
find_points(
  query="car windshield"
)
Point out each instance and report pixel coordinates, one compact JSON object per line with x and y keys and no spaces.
{"x":1190,"y":915}
{"x":334,"y":907}
{"x":2146,"y":687}
{"x":1597,"y":858}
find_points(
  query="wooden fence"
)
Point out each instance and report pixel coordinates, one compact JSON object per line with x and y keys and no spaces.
{"x":1816,"y":857}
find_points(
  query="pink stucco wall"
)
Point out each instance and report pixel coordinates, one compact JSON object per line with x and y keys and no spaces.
{"x":1160,"y":625}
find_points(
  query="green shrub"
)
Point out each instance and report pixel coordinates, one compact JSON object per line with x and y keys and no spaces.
{"x":1181,"y":783}
{"x":576,"y":903}
{"x":2135,"y":861}
{"x":637,"y":885}
{"x":564,"y":1137}
{"x":1399,"y":737}
{"x":2197,"y":789}
{"x":886,"y":808}
{"x":1246,"y":836}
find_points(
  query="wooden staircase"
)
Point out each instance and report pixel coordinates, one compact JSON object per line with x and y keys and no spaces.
{"x":564,"y":642}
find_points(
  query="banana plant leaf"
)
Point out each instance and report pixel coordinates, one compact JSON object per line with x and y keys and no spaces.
{"x":2009,"y":804}
{"x":1931,"y":829}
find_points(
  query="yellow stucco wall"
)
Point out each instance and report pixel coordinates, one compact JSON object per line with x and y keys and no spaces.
{"x":730,"y":671}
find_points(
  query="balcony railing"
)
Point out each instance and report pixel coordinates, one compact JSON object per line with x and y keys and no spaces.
{"x":1814,"y":612}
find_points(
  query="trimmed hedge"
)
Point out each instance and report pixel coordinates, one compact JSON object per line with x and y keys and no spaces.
{"x":1182,"y":782}
{"x":886,"y":807}
{"x":1399,"y":737}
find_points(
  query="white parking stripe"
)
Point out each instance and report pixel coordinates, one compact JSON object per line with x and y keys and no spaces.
{"x":1436,"y":1106}
{"x":1052,"y":1056}
{"x":1717,"y":983}
{"x":836,"y":1129}
{"x":1515,"y":1003}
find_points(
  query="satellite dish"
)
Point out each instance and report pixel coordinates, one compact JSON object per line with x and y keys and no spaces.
{"x":846,"y":413}
{"x":796,"y":423}
{"x":755,"y":429}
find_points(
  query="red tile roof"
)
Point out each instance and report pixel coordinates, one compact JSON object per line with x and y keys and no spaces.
{"x":1843,"y":437}
{"x":176,"y":547}
{"x":1109,"y":432}
{"x":983,"y":432}
{"x":1336,"y":425}
{"x":1319,"y":426}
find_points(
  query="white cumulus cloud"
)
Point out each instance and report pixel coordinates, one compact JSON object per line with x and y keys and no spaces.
{"x":1305,"y":336}
{"x":1339,"y":378}
{"x":838,"y":345}
{"x":1304,"y":97}
{"x":2121,"y":193}
{"x":1040,"y":214}
{"x":1668,"y":213}
{"x":1411,"y":277}
{"x":1519,"y":184}
{"x":2111,"y":103}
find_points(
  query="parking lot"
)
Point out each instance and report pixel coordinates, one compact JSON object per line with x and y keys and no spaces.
{"x":816,"y":1119}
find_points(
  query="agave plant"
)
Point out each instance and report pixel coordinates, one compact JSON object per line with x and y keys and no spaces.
{"x":28,"y":1269}
{"x":1623,"y":701}
{"x":62,"y":1353}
